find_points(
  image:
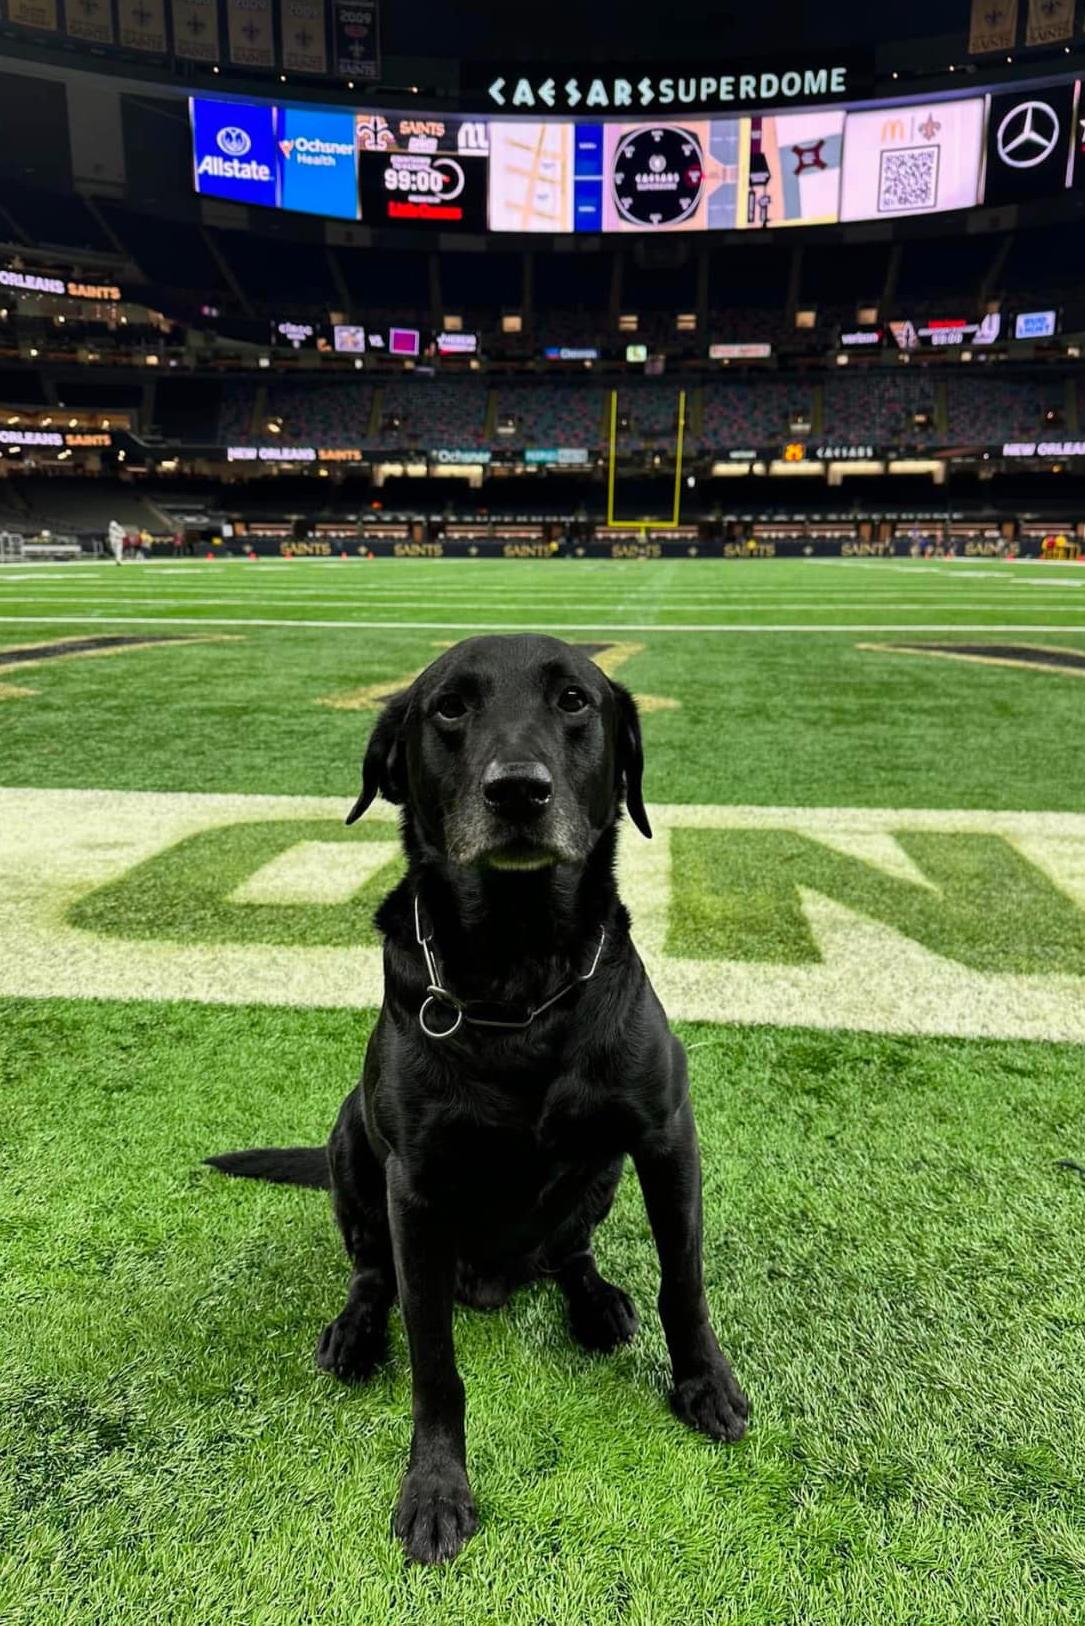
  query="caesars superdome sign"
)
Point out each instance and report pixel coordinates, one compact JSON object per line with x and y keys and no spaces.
{"x":709,"y":87}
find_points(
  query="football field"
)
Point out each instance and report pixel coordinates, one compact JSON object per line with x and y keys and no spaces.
{"x":864,"y":909}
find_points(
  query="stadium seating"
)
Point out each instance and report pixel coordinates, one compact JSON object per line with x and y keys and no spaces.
{"x":75,"y":505}
{"x":739,"y":412}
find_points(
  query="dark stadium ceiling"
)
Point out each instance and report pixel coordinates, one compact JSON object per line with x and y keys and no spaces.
{"x":615,"y":31}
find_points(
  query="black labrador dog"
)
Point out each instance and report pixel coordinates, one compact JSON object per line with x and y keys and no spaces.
{"x":519,"y":1056}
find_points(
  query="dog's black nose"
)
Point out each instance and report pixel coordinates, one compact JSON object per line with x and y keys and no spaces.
{"x":517,"y":789}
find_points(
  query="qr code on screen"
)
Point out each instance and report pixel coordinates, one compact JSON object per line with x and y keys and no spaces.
{"x":908,"y":179}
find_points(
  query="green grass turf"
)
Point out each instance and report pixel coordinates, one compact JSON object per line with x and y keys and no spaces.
{"x":893,"y":1251}
{"x":893,"y":1261}
{"x":770,"y":718}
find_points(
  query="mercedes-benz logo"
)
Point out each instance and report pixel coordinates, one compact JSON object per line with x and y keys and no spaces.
{"x":1028,"y":134}
{"x":234,"y":142}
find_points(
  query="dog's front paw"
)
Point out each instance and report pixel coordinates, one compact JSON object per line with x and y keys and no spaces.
{"x":602,"y":1316}
{"x":353,"y":1345}
{"x":436,"y":1514}
{"x":712,"y":1403}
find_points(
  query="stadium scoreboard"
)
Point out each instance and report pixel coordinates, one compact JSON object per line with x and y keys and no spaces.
{"x":660,"y":171}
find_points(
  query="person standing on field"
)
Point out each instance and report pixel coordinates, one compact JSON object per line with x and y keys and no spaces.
{"x":115,"y":538}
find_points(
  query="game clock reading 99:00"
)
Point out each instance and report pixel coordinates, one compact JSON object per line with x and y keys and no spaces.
{"x":422,"y":169}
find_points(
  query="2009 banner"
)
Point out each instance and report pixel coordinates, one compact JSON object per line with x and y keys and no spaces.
{"x":356,"y":39}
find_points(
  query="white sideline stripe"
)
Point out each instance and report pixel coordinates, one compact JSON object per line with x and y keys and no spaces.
{"x":506,"y":602}
{"x":869,"y":977}
{"x":839,"y":627}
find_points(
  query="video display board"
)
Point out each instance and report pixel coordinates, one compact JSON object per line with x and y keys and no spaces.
{"x":422,"y":168}
{"x":316,"y":161}
{"x":912,"y":160}
{"x":749,"y":171}
{"x":792,"y":168}
{"x":1028,"y":138}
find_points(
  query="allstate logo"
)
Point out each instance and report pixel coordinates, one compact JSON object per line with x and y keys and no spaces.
{"x":234,"y":142}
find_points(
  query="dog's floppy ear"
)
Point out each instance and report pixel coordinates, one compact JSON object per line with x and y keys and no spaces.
{"x":383,"y":767}
{"x":630,"y":757}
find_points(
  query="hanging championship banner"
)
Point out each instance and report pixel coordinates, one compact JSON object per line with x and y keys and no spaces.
{"x":1049,"y":21}
{"x":195,"y":30}
{"x":142,"y":25}
{"x":252,"y":43}
{"x":356,"y":39}
{"x":40,"y":14}
{"x":90,"y":20}
{"x":304,"y":49}
{"x":994,"y":26}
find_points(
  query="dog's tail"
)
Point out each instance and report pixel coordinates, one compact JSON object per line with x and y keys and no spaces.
{"x":285,"y":1165}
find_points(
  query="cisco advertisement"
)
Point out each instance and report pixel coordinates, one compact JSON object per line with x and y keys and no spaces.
{"x":747,"y":173}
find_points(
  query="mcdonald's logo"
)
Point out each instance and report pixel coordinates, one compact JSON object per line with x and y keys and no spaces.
{"x":892,"y":130}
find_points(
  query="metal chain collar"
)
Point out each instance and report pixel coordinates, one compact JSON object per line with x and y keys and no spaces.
{"x":437,"y":993}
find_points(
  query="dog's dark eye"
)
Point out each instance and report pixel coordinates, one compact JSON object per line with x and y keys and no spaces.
{"x":451,"y":707}
{"x":572,"y":699}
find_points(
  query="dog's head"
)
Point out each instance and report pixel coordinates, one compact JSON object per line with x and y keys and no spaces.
{"x":508,"y":753}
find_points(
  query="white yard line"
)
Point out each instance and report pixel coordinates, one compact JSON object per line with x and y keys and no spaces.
{"x":503,"y":602}
{"x":840,"y":628}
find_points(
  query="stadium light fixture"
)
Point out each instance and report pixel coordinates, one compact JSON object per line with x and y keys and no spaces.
{"x":627,"y":323}
{"x":452,"y":323}
{"x":512,"y":322}
{"x":686,"y":322}
{"x":806,"y":318}
{"x":842,"y":359}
